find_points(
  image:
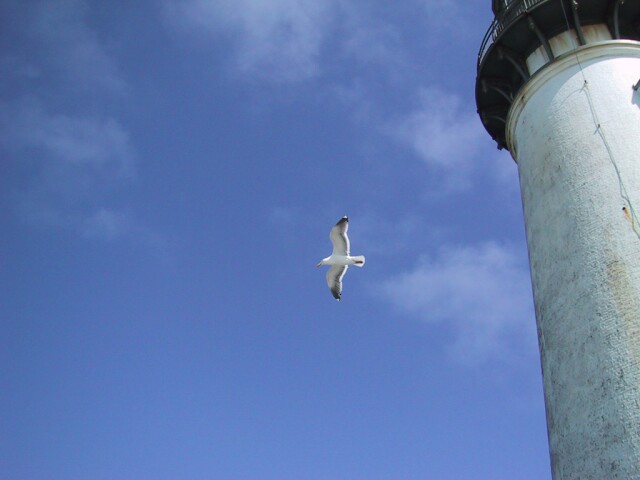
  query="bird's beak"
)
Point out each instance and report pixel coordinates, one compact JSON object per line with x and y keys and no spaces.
{"x":319,"y":264}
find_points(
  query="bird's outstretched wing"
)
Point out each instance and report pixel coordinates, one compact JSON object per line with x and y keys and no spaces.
{"x":334,"y":280}
{"x":339,"y":237}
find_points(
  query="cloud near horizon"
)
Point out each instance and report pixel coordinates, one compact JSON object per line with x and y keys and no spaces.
{"x":482,"y":292}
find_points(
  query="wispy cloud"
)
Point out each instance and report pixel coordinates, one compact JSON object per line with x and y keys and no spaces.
{"x":70,"y":158}
{"x":73,"y":48}
{"x":481,"y":292}
{"x":382,"y":235}
{"x":294,"y":40}
{"x":83,"y":142}
{"x":106,"y":224}
{"x":274,"y":39}
{"x":54,"y":43}
{"x":109,"y":225}
{"x":286,"y":41}
{"x":285,"y":217}
{"x":451,"y":18}
{"x":440,"y":132}
{"x":368,"y":38}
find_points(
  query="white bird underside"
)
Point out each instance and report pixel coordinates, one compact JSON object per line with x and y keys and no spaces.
{"x":334,"y":280}
{"x":339,"y":238}
{"x":340,"y":259}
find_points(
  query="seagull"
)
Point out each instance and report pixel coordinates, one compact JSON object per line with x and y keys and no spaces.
{"x":340,"y":259}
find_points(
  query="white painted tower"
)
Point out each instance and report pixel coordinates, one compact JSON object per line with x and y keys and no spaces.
{"x":555,"y":87}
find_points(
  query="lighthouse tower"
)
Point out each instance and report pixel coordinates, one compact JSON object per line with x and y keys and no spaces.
{"x":557,"y":86}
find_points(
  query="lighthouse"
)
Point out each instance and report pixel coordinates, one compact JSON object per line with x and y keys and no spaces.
{"x":557,"y":86}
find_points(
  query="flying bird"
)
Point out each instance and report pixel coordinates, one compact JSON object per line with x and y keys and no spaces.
{"x":340,"y":259}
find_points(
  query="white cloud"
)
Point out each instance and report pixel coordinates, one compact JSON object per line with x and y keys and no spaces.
{"x":69,"y":160}
{"x":71,"y":163}
{"x":285,"y":217}
{"x":274,"y":39}
{"x":74,"y":141}
{"x":367,"y":37}
{"x":382,"y":235}
{"x":54,"y":48}
{"x":47,"y":127}
{"x":450,"y":17}
{"x":68,"y":47}
{"x":106,"y":224}
{"x":440,"y":131}
{"x":293,"y":40}
{"x":90,"y":222}
{"x":481,"y":292}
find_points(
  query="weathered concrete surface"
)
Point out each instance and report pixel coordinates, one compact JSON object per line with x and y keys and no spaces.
{"x":577,"y":146}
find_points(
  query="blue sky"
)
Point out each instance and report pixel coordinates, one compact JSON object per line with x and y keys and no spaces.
{"x":170,"y":173}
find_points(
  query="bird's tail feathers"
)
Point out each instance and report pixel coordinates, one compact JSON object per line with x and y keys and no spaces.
{"x":358,"y":261}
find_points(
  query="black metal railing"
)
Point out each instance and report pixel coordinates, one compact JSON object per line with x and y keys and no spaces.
{"x":507,"y":16}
